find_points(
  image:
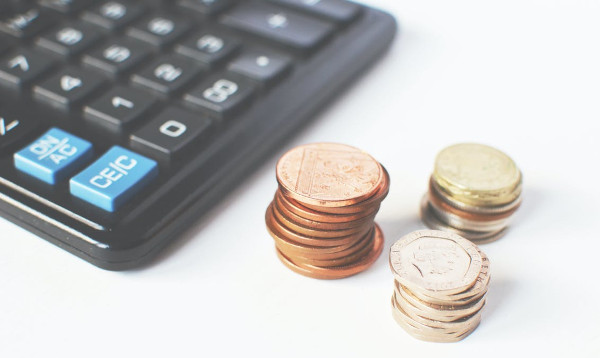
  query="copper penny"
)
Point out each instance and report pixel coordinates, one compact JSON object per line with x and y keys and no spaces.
{"x":331,"y":273}
{"x":328,"y":174}
{"x":280,"y":230}
{"x":315,"y":232}
{"x":318,"y":225}
{"x":320,"y":253}
{"x":368,"y":204}
{"x":310,"y":214}
{"x":364,"y":247}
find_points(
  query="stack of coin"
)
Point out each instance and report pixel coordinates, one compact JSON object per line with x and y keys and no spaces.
{"x":322,"y":215}
{"x":441,"y":281}
{"x":474,"y":191}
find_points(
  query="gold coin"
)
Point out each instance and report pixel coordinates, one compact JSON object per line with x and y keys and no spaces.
{"x":328,"y":174}
{"x":435,"y":261}
{"x":477,"y":174}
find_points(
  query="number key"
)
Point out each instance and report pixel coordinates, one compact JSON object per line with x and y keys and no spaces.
{"x":160,"y":31}
{"x":119,"y":108}
{"x":221,"y":95}
{"x":113,"y":15}
{"x":70,"y":40}
{"x":170,"y":134}
{"x":117,"y":56}
{"x":68,"y":88}
{"x":208,"y":47}
{"x":21,"y":68}
{"x":167,"y":74}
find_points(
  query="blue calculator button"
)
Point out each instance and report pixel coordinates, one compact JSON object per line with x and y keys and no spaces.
{"x":114,"y":178}
{"x":54,"y":156}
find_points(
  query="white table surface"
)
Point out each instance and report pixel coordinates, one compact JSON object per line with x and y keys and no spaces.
{"x":521,"y":75}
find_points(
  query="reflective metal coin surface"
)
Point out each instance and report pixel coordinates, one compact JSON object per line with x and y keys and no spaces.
{"x":328,"y":174}
{"x":432,"y":301}
{"x":477,"y":173}
{"x":322,"y":216}
{"x":436,"y":261}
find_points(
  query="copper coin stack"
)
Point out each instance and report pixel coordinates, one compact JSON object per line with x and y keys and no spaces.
{"x":440,"y":285}
{"x":474,"y":192}
{"x":322,"y":216}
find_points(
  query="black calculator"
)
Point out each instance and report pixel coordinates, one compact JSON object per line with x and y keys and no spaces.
{"x":122,"y":122}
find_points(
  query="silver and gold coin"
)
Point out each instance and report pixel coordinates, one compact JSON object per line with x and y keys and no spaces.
{"x":473,"y":192}
{"x":440,"y":285}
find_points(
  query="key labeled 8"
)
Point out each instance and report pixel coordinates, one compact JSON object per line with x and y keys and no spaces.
{"x":221,"y":91}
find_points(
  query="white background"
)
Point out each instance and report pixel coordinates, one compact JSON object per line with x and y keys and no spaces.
{"x":521,"y":75}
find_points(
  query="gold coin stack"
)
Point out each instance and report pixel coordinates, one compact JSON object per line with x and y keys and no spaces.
{"x":322,"y":216}
{"x":474,"y":191}
{"x":441,"y":281}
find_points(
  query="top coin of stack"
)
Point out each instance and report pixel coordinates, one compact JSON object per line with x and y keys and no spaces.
{"x":473,"y":191}
{"x":441,"y":282}
{"x":322,"y":215}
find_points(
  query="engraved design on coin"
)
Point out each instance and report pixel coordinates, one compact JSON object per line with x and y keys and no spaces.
{"x":476,"y":167}
{"x":436,"y":261}
{"x":329,"y":172}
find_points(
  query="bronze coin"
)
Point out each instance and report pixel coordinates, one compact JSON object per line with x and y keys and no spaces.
{"x":282,"y":231}
{"x":310,"y":214}
{"x":328,"y":174}
{"x":331,"y":273}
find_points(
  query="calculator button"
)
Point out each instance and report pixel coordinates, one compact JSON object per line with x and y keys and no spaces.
{"x":160,"y":31}
{"x":12,"y":129}
{"x":117,"y":56}
{"x":113,"y":15}
{"x":68,"y":88}
{"x":221,"y":95}
{"x":167,"y":74}
{"x":114,"y":178}
{"x":119,"y":108}
{"x":54,"y":156}
{"x":170,"y":134}
{"x":66,"y":6}
{"x":27,"y":23}
{"x":278,"y":24}
{"x":208,"y":47}
{"x":206,"y":7}
{"x":71,"y":39}
{"x":336,"y":10}
{"x":23,"y":67}
{"x":262,"y":66}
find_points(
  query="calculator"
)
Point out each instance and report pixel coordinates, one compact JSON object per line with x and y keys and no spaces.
{"x":123,"y":122}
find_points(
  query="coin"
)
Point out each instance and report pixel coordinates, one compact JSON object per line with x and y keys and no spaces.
{"x":341,"y":271}
{"x":328,"y":174}
{"x":282,"y":231}
{"x":440,"y":193}
{"x":433,"y":222}
{"x":309,"y":214}
{"x":436,"y":297}
{"x":477,"y":174}
{"x":435,"y":261}
{"x":368,"y":204}
{"x":322,"y":215}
